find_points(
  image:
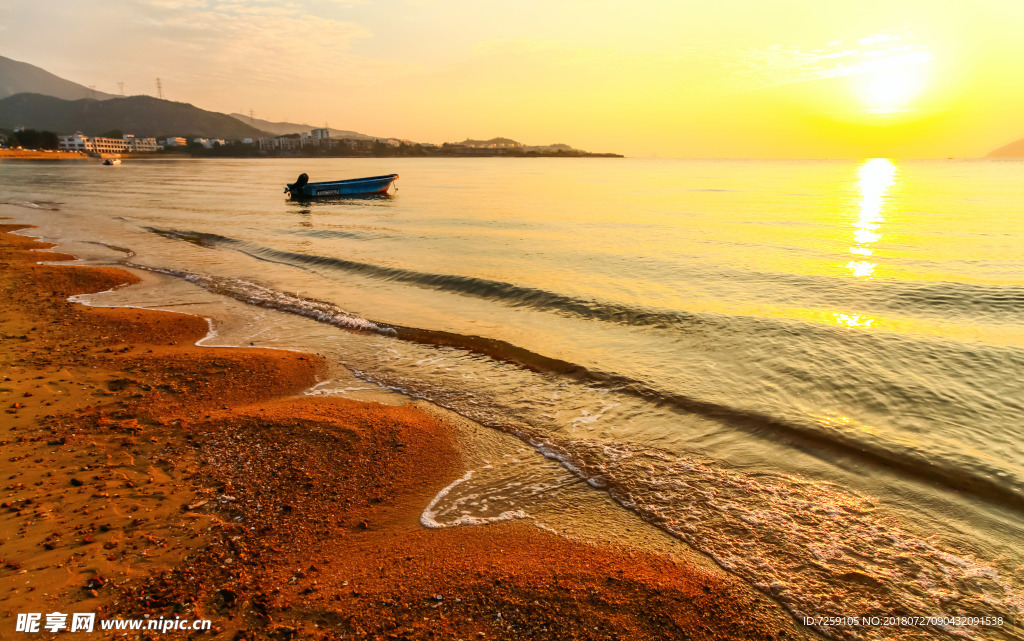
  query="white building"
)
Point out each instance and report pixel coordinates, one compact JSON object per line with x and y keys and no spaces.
{"x":78,"y":142}
{"x":320,"y":136}
{"x":175,"y":142}
{"x":140,"y":144}
{"x":92,"y":144}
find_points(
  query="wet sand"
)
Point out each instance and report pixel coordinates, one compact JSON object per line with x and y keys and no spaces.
{"x":148,"y":476}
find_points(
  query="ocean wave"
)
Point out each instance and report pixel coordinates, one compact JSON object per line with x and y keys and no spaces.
{"x":922,"y":299}
{"x":337,"y":233}
{"x":508,"y":293}
{"x":32,"y":204}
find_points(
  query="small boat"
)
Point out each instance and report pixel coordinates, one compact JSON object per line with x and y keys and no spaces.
{"x":302,"y":188}
{"x":112,"y":161}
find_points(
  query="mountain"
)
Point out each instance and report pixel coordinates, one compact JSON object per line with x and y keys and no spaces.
{"x":21,"y":77}
{"x":1012,"y":150}
{"x":283,"y":128}
{"x":139,"y":115}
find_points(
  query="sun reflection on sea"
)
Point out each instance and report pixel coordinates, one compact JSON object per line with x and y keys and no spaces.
{"x":852,"y":320}
{"x":875,"y":177}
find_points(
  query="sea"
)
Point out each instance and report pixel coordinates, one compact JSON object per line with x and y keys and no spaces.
{"x":809,"y":372}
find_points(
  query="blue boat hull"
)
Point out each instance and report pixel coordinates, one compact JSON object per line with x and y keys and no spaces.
{"x":341,"y":188}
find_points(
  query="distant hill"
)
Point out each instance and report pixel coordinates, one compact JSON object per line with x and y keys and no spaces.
{"x":508,"y":143}
{"x":1012,"y":150}
{"x":283,"y":128}
{"x":21,"y":77}
{"x":493,"y":143}
{"x":139,"y":115}
{"x":33,"y":98}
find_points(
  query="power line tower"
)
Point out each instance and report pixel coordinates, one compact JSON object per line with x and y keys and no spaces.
{"x":252,"y":116}
{"x":159,"y":89}
{"x":120,"y":87}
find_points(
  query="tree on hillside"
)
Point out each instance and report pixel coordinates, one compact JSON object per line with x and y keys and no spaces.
{"x":33,"y":139}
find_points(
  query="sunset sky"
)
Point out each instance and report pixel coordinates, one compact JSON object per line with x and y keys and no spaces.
{"x":679,"y":78}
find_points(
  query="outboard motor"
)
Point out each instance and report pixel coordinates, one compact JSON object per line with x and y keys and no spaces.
{"x":295,"y":188}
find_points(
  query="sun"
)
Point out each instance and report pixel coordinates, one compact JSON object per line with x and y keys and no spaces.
{"x":887,"y":74}
{"x":890,"y":90}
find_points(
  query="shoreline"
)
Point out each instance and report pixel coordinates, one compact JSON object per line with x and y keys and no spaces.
{"x":36,"y":154}
{"x":194,"y":482}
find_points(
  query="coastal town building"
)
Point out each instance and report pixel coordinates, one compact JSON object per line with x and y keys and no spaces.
{"x":322,"y":138}
{"x":101,"y":145}
{"x":209,"y":143}
{"x":282,"y":143}
{"x":76,"y":142}
{"x":358,"y":144}
{"x":321,"y":141}
{"x":137,"y":145}
{"x":92,"y":144}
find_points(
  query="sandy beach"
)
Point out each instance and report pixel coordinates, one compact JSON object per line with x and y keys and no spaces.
{"x":150,"y":477}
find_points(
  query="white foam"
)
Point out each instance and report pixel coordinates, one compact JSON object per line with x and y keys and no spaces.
{"x":428,"y":518}
{"x":323,"y":389}
{"x":430,"y":515}
{"x":258,"y":295}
